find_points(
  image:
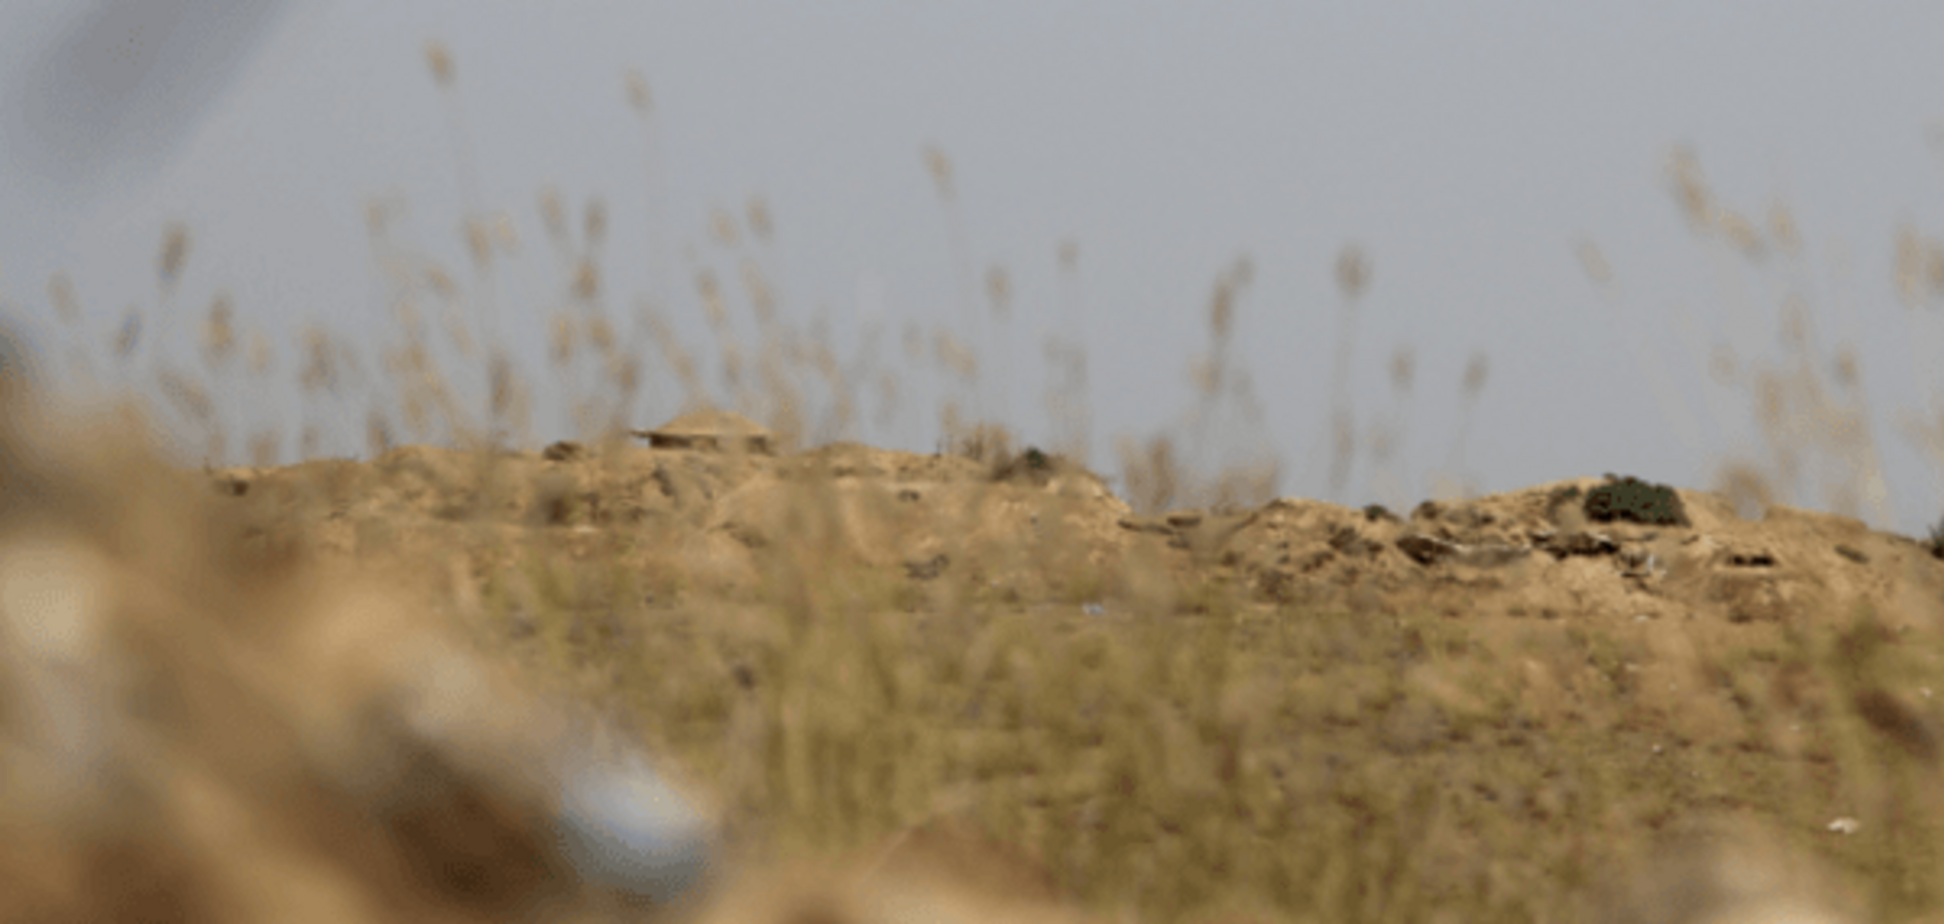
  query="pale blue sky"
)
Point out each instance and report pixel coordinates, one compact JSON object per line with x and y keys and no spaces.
{"x":1466,"y":147}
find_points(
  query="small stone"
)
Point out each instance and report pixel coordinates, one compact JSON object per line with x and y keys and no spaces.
{"x":564,"y":451}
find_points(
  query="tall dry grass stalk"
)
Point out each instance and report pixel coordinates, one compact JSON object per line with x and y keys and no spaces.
{"x":1157,"y":746}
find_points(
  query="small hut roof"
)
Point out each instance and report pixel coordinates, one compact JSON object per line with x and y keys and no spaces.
{"x":711,"y":422}
{"x":709,"y":426}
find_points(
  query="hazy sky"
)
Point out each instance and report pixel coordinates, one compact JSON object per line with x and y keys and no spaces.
{"x":1466,"y":148}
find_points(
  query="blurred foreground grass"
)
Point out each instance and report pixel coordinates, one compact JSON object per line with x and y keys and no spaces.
{"x":1168,"y":746}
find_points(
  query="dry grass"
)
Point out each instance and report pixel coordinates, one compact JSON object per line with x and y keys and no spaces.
{"x":1204,"y":756}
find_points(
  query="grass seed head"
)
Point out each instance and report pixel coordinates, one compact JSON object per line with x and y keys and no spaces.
{"x":1352,"y":272}
{"x":219,"y":331}
{"x":479,"y":242}
{"x":1741,"y":232}
{"x":759,"y":218}
{"x":1403,"y":367}
{"x":723,"y":226}
{"x":378,"y":434}
{"x":999,"y":291}
{"x":587,"y":281}
{"x":1477,"y":369}
{"x":173,"y":255}
{"x":1782,"y":227}
{"x":940,"y":168}
{"x":762,"y":299}
{"x":553,"y":216}
{"x":639,"y":98}
{"x":1690,"y":190}
{"x":128,"y":336}
{"x":594,"y":222}
{"x":60,"y":292}
{"x":187,"y":396}
{"x":440,"y":62}
{"x":320,"y":370}
{"x":1593,"y":263}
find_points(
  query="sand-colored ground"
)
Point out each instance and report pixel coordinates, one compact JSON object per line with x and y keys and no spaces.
{"x":338,"y":691}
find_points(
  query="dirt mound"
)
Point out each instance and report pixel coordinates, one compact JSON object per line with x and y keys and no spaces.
{"x":239,"y":692}
{"x":1562,"y":550}
{"x":1590,"y":548}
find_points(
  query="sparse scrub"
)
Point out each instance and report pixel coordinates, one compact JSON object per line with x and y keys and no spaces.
{"x":1936,"y":539}
{"x":1163,"y":736}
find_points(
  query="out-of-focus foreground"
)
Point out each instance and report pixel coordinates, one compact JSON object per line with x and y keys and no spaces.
{"x":979,"y":684}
